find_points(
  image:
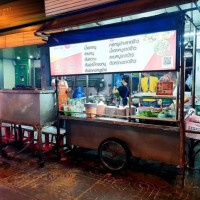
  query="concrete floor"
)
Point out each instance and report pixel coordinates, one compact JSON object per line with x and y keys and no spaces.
{"x":80,"y":176}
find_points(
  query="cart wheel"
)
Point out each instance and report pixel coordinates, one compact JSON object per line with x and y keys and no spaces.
{"x":114,"y":155}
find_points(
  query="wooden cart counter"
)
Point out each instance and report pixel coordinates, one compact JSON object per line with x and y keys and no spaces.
{"x":146,"y":141}
{"x":124,"y":122}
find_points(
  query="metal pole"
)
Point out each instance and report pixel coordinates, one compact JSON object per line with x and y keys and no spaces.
{"x":130,"y":93}
{"x":87,"y":83}
{"x":58,"y":121}
{"x":41,"y":159}
{"x":197,"y":6}
{"x":20,"y":135}
{"x":0,"y":136}
{"x":33,"y":75}
{"x":182,"y":86}
{"x":140,"y":82}
{"x":177,"y":95}
{"x":194,"y":66}
{"x":188,"y":17}
{"x":57,"y":91}
{"x":140,"y":89}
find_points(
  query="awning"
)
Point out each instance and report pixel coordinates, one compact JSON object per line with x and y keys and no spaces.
{"x":164,"y":22}
{"x":108,"y":11}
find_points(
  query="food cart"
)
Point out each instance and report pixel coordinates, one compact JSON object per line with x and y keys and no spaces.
{"x":146,"y":45}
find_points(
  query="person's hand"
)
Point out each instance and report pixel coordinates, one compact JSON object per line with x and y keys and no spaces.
{"x":172,"y":106}
{"x":160,"y":102}
{"x":114,"y":91}
{"x":54,"y":86}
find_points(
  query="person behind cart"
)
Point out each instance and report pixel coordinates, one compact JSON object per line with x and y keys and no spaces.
{"x":62,"y":90}
{"x":62,"y":95}
{"x":123,"y":90}
{"x":61,"y":81}
{"x":170,"y":77}
{"x":148,"y":85}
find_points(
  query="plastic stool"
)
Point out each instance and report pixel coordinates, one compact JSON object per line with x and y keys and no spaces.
{"x":52,"y":131}
{"x":7,"y":128}
{"x":29,"y":138}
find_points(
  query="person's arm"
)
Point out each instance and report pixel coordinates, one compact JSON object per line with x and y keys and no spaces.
{"x":67,"y":88}
{"x":115,"y":90}
{"x":138,"y":89}
{"x":159,"y":101}
{"x":156,"y":81}
{"x":186,"y":99}
{"x":53,"y":84}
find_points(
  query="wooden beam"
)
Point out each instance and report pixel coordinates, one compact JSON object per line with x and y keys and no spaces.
{"x":20,"y":39}
{"x":124,"y":9}
{"x":20,"y":30}
{"x":21,"y":12}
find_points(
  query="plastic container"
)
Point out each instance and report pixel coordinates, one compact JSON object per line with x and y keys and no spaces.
{"x":66,"y":110}
{"x":90,"y":109}
{"x":111,"y":111}
{"x":121,"y":112}
{"x":198,"y":110}
{"x":133,"y":109}
{"x":161,"y":115}
{"x":143,"y":108}
{"x":79,"y":93}
{"x":101,"y":109}
{"x":193,"y":127}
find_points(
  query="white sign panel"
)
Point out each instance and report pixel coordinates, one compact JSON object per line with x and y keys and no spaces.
{"x":149,"y":52}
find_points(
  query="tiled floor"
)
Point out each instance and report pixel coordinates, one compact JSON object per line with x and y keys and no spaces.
{"x":80,"y":176}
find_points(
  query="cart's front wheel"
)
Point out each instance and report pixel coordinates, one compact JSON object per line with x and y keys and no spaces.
{"x":114,"y":155}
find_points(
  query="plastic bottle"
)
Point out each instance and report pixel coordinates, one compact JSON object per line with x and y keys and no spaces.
{"x":78,"y":105}
{"x":65,"y":101}
{"x":72,"y":107}
{"x":69,"y":106}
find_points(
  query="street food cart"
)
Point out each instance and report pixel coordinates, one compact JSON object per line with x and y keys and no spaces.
{"x":146,"y":45}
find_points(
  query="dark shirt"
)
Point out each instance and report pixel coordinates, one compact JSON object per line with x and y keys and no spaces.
{"x":123,"y":93}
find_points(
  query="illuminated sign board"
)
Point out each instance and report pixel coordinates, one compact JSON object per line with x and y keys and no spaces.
{"x":147,"y":52}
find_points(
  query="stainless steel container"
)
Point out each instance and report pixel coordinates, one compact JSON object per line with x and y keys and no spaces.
{"x":29,"y":107}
